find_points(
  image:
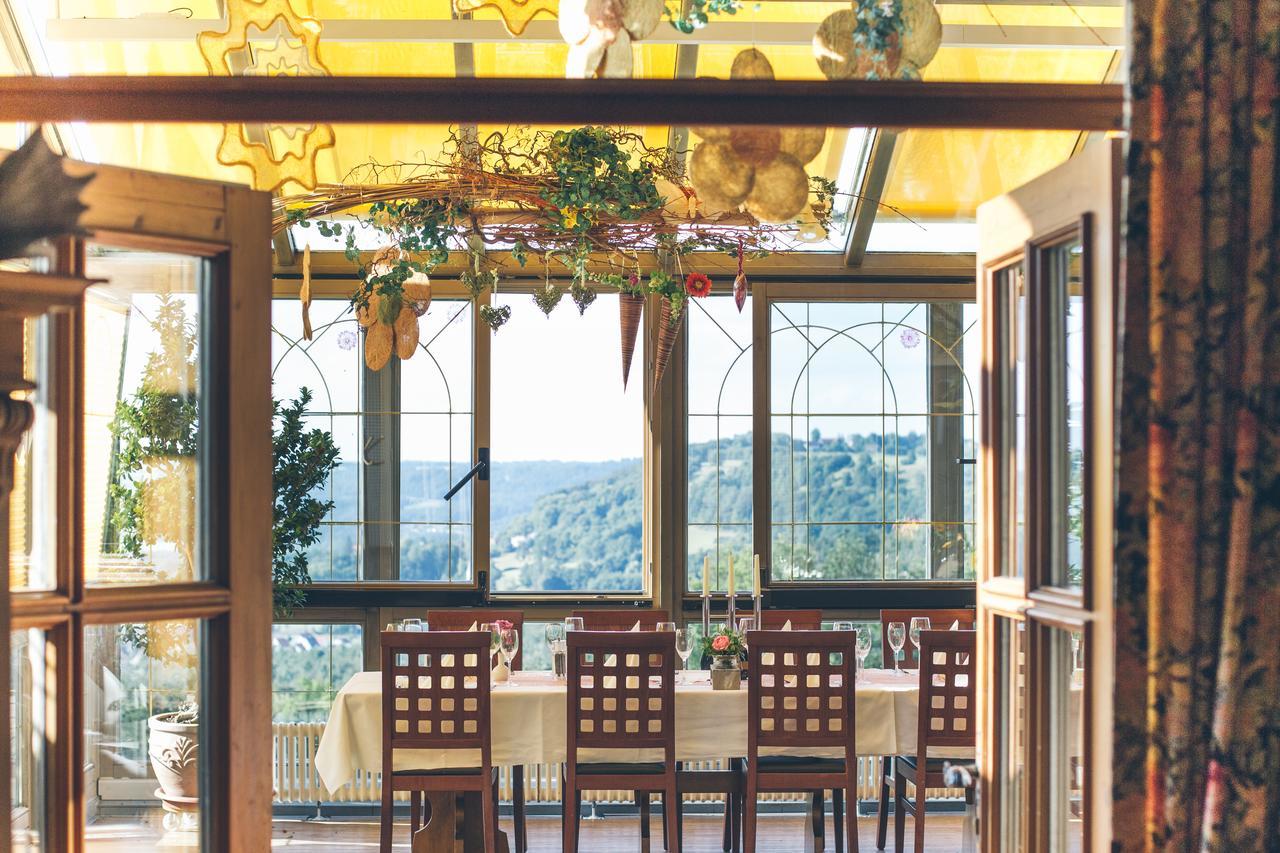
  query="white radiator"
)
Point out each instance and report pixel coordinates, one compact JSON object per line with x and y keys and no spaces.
{"x":296,"y":781}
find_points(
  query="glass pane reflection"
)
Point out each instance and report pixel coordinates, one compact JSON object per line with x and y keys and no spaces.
{"x":1066,"y":739}
{"x":28,"y":713}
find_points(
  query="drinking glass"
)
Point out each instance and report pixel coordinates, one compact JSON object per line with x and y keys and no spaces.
{"x":841,"y":625}
{"x":863,"y":646}
{"x":412,"y":625}
{"x":897,"y":638}
{"x":684,"y":647}
{"x":918,"y":624}
{"x":509,"y":642}
{"x":494,"y":643}
{"x":573,"y":623}
{"x":555,"y":641}
{"x":666,"y":626}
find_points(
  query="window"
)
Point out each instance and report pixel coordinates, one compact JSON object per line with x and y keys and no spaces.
{"x":403,"y":434}
{"x":567,"y":489}
{"x":720,"y":477}
{"x":873,"y":425}
{"x":309,"y":664}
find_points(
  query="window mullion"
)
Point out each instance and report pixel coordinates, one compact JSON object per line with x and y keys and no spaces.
{"x":380,"y":470}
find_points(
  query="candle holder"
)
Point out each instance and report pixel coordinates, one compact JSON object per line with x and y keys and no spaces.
{"x":706,"y":616}
{"x":732,"y":621}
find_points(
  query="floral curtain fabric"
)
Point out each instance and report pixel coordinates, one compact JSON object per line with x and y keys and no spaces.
{"x":1197,"y":756}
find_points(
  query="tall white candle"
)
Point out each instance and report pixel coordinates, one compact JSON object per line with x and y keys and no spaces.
{"x":731,"y":574}
{"x":706,"y":576}
{"x":755,"y":579}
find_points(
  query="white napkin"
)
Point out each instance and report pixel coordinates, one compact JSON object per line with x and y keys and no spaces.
{"x":636,"y":627}
{"x":474,"y":626}
{"x":786,"y":626}
{"x":955,"y":626}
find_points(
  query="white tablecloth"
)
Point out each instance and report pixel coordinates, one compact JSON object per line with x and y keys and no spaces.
{"x":528,"y":724}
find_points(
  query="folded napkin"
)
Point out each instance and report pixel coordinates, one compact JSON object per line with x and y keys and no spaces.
{"x":636,"y":627}
{"x":474,"y":626}
{"x":786,"y":626}
{"x":955,"y":626}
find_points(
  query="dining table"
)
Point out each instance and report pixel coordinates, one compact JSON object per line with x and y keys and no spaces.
{"x":528,"y":726}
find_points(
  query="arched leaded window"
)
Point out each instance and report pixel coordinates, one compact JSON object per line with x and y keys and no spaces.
{"x":404,"y":435}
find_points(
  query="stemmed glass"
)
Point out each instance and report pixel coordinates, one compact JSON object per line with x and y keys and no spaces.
{"x":413,"y":625}
{"x":862,"y":646}
{"x":666,"y":626}
{"x":509,"y":642}
{"x":494,"y":642}
{"x":897,"y":638}
{"x":918,"y":624}
{"x":684,"y":647}
{"x":573,"y":623}
{"x":841,"y":625}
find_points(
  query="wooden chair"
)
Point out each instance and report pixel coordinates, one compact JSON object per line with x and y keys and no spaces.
{"x":801,"y":620}
{"x":946,"y":721}
{"x":939,"y":620}
{"x":621,"y":619}
{"x":800,"y":696}
{"x":435,"y":695}
{"x":621,"y":695}
{"x":461,"y":619}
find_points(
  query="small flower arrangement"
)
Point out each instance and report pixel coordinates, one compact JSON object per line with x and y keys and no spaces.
{"x":724,"y":642}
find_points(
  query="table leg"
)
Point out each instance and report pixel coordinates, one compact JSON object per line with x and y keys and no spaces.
{"x":814,"y":828}
{"x":454,"y":825}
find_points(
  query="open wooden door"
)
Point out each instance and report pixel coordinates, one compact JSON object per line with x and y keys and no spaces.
{"x":140,"y":527}
{"x":1047,"y":274}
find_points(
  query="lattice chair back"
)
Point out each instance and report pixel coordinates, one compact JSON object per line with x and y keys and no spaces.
{"x":435,"y":691}
{"x":621,"y":619}
{"x":939,"y":620}
{"x":947,"y":690}
{"x":621,"y":691}
{"x":463,"y":619}
{"x":800,"y":690}
{"x":801,"y":620}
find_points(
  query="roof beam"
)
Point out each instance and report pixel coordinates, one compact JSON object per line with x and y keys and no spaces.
{"x":869,"y":194}
{"x":406,"y":100}
{"x":162,"y":28}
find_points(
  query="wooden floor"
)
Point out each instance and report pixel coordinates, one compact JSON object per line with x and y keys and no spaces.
{"x":777,"y":834}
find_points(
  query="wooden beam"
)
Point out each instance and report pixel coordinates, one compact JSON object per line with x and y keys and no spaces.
{"x":406,"y":100}
{"x":869,"y":195}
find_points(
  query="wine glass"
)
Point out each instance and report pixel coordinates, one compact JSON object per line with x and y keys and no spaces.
{"x":573,"y":623}
{"x":412,"y":625}
{"x":494,"y":643}
{"x":918,"y":624}
{"x":897,"y":638}
{"x":862,"y":646}
{"x":841,"y":625}
{"x":684,"y":647}
{"x":509,"y":642}
{"x":666,"y":626}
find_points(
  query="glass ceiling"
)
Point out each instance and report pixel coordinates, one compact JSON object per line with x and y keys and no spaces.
{"x":936,"y":178}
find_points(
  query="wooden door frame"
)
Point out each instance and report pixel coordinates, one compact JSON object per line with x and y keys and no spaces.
{"x":136,"y":209}
{"x":1081,"y":197}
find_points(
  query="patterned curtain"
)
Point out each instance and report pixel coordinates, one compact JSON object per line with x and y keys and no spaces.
{"x":1197,"y":756}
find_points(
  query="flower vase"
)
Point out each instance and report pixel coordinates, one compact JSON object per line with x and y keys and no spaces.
{"x":726,"y":672}
{"x":630,"y":307}
{"x":668,"y":331}
{"x":501,"y":673}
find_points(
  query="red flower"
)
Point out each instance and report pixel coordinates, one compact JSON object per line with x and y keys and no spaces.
{"x":697,"y":284}
{"x":720,"y":642}
{"x":503,"y":624}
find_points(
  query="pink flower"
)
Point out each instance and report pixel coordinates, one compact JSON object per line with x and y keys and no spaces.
{"x":503,"y":625}
{"x":720,"y":643}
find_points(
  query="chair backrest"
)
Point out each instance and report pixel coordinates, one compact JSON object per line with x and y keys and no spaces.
{"x":939,"y":620}
{"x":621,"y":619}
{"x":621,"y":692}
{"x":801,"y":620}
{"x":800,"y":690}
{"x":462,"y":619}
{"x":947,"y":690}
{"x":435,"y":691}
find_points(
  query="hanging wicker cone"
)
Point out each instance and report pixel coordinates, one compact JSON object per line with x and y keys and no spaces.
{"x":630,"y":307}
{"x":667,"y":333}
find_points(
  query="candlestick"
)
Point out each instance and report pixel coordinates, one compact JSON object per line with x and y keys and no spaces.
{"x":706,"y":576}
{"x":755,"y":578}
{"x":733,"y":625}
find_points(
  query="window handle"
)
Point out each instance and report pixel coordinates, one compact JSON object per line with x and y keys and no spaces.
{"x":480,"y":469}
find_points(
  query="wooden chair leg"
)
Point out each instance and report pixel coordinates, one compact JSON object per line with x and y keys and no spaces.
{"x":728,"y":823}
{"x":666,"y":830}
{"x":851,"y":823}
{"x":899,"y":811}
{"x":642,"y":800}
{"x":415,"y":813}
{"x":749,"y":820}
{"x":817,"y":817}
{"x":671,"y":803}
{"x":837,"y":818}
{"x":735,"y":830}
{"x":569,"y":815}
{"x":882,"y":823}
{"x":489,"y":818}
{"x":388,"y":803}
{"x":517,"y":808}
{"x":920,"y":791}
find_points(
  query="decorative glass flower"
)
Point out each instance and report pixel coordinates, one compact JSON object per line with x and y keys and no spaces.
{"x":347,"y":340}
{"x":910,"y":338}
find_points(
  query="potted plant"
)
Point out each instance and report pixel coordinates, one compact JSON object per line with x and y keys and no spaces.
{"x":726,"y":649}
{"x":153,"y":506}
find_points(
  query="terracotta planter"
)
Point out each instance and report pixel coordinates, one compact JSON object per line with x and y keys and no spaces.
{"x":667,"y":334}
{"x":174,"y":749}
{"x":630,"y":307}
